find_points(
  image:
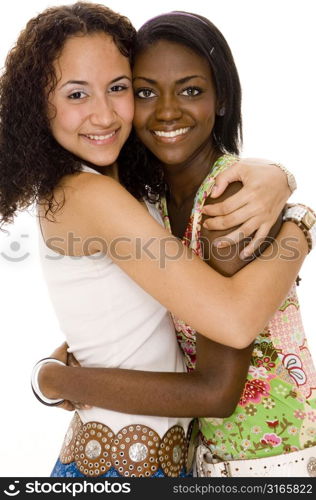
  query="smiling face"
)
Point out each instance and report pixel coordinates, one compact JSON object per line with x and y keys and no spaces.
{"x":91,"y":108}
{"x":175,"y":102}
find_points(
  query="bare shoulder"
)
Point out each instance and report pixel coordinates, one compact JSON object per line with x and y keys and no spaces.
{"x":76,"y":191}
{"x":85,"y":185}
{"x":73,"y":208}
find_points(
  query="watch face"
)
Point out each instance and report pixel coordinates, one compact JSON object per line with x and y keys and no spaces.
{"x":309,"y":219}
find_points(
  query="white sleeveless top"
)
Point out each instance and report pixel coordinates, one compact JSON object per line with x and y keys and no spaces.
{"x":110,"y":321}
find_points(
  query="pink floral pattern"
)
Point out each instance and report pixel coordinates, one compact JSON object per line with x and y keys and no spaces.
{"x":253,"y":392}
{"x":271,"y":439}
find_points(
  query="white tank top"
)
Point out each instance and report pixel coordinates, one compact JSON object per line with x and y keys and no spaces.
{"x":110,"y":321}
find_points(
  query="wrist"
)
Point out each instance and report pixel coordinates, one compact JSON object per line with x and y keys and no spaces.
{"x":43,"y":381}
{"x":288,"y":176}
{"x":47,"y":380}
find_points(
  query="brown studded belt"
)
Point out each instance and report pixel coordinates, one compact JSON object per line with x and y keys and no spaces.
{"x":135,"y":451}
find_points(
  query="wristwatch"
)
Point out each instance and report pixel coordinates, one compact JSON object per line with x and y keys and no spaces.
{"x":305,"y":218}
{"x":290,"y":177}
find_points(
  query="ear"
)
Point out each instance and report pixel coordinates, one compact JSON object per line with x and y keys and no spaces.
{"x":220,"y":109}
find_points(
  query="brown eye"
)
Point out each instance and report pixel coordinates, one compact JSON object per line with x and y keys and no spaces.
{"x":145,"y":93}
{"x":191,"y":91}
{"x":118,"y":88}
{"x":77,"y":95}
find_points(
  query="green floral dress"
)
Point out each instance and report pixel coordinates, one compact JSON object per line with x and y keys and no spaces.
{"x":277,"y":410}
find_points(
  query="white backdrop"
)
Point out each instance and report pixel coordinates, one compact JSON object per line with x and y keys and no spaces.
{"x":273,"y":42}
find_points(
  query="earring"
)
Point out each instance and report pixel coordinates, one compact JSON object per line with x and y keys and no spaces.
{"x":222,"y":111}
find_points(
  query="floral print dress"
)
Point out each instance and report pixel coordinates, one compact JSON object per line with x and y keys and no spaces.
{"x":277,"y":410}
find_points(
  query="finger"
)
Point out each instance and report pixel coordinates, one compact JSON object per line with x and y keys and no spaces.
{"x":243,"y":197}
{"x":67,"y":405}
{"x":72,"y":361}
{"x":235,"y":237}
{"x":81,"y":406}
{"x":222,"y":180}
{"x":259,"y":237}
{"x":230,"y":221}
{"x":61,"y":352}
{"x":63,"y":347}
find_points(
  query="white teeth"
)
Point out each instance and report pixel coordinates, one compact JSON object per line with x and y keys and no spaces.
{"x":172,"y":133}
{"x":100,"y":137}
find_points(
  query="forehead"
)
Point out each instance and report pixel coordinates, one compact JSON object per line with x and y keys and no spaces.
{"x":170,"y":58}
{"x":93,"y":55}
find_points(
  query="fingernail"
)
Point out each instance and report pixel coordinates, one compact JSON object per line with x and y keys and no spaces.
{"x":205,"y":225}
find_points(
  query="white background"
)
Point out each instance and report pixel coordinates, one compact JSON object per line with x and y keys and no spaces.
{"x":273,"y":42}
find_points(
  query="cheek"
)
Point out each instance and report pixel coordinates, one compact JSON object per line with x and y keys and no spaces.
{"x":141,"y":116}
{"x":68,"y":120}
{"x":207,"y":119}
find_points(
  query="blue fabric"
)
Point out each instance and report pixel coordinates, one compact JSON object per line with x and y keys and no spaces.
{"x":71,"y":470}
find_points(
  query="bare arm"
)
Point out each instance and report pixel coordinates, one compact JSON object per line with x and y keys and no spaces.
{"x":185,"y":280}
{"x":213,"y":389}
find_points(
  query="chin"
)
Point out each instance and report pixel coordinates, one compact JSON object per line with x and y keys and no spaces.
{"x":100,"y":161}
{"x":171,"y":161}
{"x":169,"y":157}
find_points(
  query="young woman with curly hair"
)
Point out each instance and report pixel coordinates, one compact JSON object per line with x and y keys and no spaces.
{"x":66,"y":107}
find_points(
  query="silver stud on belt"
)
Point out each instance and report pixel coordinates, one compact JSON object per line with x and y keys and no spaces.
{"x":311,"y":467}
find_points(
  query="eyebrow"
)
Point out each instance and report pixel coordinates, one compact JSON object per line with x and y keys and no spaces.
{"x":83,"y":82}
{"x":180,"y":81}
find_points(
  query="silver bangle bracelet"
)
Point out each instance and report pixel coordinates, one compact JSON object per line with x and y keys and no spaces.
{"x":35,"y":385}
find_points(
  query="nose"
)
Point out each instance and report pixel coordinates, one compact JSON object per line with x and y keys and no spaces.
{"x":168,"y":108}
{"x":102,"y":112}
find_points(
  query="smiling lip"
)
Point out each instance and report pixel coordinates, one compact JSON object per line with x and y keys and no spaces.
{"x":100,"y":139}
{"x":170,"y":136}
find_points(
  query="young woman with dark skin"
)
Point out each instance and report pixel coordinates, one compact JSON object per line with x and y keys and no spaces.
{"x":166,"y":110}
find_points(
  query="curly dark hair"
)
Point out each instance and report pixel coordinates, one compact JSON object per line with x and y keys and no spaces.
{"x":204,"y":38}
{"x":140,"y":172}
{"x":31,"y":161}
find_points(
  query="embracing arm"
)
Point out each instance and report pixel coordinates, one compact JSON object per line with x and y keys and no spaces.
{"x":213,"y":389}
{"x":174,"y":276}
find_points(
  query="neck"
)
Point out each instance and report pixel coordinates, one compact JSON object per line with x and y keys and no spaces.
{"x":185,"y":179}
